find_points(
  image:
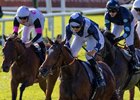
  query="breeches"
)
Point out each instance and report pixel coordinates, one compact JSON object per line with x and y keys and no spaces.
{"x":79,"y":41}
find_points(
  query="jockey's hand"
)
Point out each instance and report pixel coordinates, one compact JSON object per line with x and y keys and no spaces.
{"x":117,"y":40}
{"x":91,"y":53}
{"x":28,"y":44}
{"x":15,"y":34}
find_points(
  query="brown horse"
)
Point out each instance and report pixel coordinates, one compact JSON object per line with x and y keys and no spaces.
{"x":120,"y":66}
{"x":24,"y":64}
{"x":75,"y":84}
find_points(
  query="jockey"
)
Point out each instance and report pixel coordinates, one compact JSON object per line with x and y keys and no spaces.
{"x":136,"y":13}
{"x":122,"y":19}
{"x":33,"y":20}
{"x":85,"y":30}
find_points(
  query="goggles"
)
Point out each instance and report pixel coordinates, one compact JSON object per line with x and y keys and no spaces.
{"x":23,"y":18}
{"x":75,"y":26}
{"x":112,"y":10}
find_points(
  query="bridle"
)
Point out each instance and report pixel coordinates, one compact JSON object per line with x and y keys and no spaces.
{"x":18,"y":55}
{"x":66,"y":64}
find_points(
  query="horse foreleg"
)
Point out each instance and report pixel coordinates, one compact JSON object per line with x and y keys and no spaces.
{"x":22,"y":88}
{"x":121,"y":95}
{"x":51,"y":83}
{"x":14,"y":86}
{"x":132,"y":92}
{"x":43,"y":84}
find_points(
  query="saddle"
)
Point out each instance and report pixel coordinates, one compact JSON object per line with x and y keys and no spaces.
{"x":91,"y":74}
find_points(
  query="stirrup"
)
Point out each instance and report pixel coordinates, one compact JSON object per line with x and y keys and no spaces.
{"x":136,"y":67}
{"x":101,"y":82}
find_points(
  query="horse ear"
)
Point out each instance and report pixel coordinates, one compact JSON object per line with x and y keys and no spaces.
{"x":63,"y":42}
{"x":50,"y":41}
{"x":5,"y":37}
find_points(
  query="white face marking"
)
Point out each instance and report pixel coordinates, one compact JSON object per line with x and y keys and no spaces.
{"x":50,"y":51}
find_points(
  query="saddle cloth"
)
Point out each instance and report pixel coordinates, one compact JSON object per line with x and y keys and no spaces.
{"x":90,"y":73}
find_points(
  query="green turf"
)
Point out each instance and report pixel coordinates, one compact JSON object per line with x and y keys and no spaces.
{"x":34,"y":92}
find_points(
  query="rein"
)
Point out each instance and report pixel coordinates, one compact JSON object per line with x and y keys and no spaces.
{"x":53,"y":68}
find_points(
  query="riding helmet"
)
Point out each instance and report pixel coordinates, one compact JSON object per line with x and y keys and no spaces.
{"x":23,"y":12}
{"x":113,"y":5}
{"x":76,"y":19}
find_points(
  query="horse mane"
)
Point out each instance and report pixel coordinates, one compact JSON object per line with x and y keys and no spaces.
{"x":15,"y":39}
{"x":68,"y":50}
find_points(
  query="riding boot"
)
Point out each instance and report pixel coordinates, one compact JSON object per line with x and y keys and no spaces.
{"x":95,"y":68}
{"x":42,"y":51}
{"x":134,"y":58}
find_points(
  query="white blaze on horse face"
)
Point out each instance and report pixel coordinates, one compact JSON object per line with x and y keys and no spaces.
{"x":50,"y":51}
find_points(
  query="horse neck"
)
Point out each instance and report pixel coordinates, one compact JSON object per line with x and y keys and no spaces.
{"x":109,"y":53}
{"x":20,"y":52}
{"x":71,"y":72}
{"x":70,"y":67}
{"x":20,"y":49}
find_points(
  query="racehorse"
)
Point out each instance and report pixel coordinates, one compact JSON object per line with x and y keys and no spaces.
{"x":75,"y":84}
{"x":24,"y":64}
{"x":120,"y":65}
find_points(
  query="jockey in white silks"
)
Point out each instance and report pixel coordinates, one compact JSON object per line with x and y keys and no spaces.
{"x":122,"y":19}
{"x":85,"y":30}
{"x":136,"y":13}
{"x":33,"y":20}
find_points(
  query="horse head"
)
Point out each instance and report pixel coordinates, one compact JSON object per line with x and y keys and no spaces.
{"x":12,"y":50}
{"x":54,"y":59}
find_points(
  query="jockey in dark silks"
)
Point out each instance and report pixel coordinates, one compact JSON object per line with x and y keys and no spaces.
{"x":85,"y":30}
{"x":122,"y":19}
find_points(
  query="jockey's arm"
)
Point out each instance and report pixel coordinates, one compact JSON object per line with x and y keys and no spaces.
{"x":107,"y":22}
{"x":68,"y":35}
{"x":38,"y":30}
{"x":94,"y":32}
{"x":127,"y":29}
{"x":16,"y":26}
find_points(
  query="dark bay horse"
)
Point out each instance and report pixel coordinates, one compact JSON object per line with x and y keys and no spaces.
{"x":75,"y":84}
{"x":24,"y":64}
{"x":120,"y":66}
